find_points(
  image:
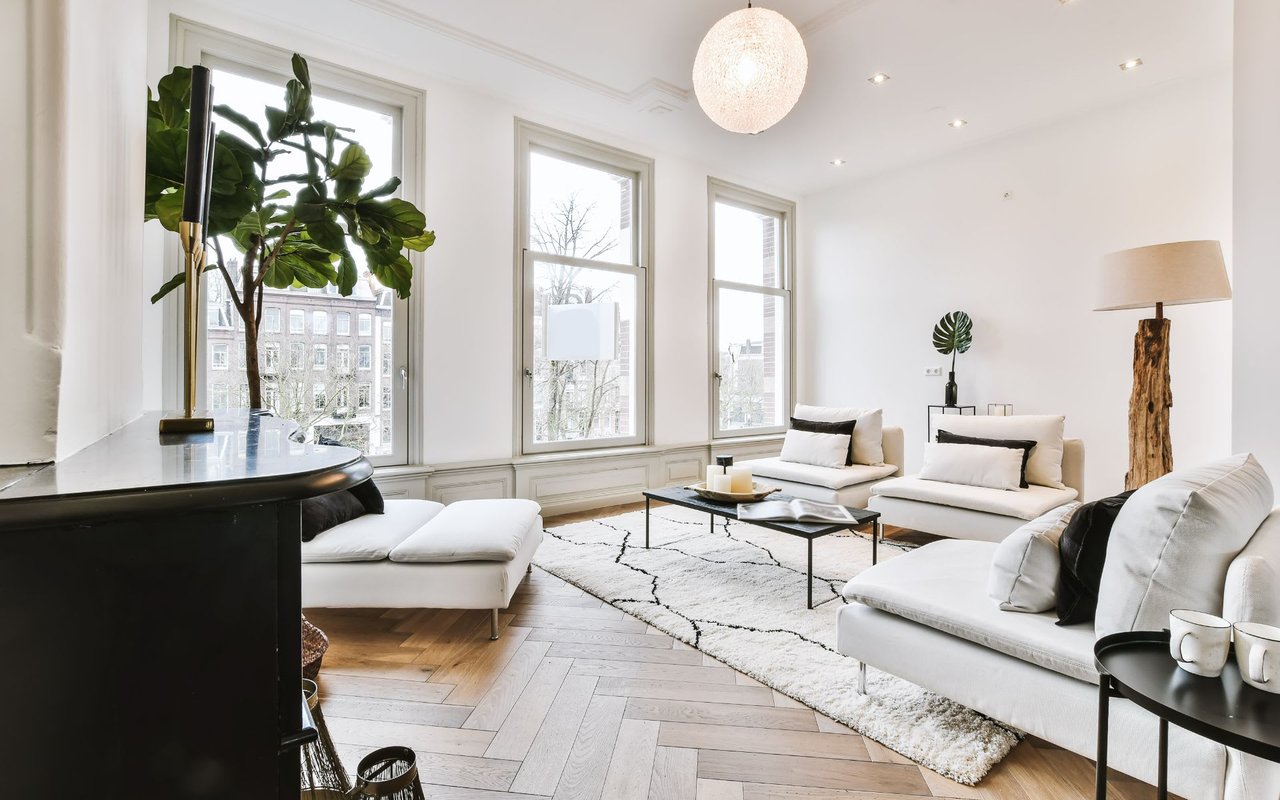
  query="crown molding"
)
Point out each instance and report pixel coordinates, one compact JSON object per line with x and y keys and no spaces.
{"x":833,"y":15}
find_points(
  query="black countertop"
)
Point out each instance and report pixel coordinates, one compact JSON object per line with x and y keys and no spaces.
{"x":247,"y":459}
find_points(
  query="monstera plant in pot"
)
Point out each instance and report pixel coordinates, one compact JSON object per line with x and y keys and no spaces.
{"x":953,"y":334}
{"x":287,"y":207}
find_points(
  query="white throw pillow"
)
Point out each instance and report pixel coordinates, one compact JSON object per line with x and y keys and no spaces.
{"x":1174,"y":540}
{"x":973,"y":465}
{"x":1024,"y":569}
{"x":868,"y":434}
{"x":1045,"y":465}
{"x":818,"y":449}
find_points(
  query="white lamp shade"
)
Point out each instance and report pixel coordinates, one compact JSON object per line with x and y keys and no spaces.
{"x":1172,"y":274}
{"x":750,"y":70}
{"x":582,"y":332}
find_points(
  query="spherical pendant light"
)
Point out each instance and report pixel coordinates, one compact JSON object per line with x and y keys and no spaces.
{"x":750,"y":70}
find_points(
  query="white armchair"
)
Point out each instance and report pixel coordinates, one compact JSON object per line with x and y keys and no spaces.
{"x":848,"y":486}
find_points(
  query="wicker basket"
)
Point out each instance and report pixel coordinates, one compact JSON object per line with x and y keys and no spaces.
{"x":314,"y":645}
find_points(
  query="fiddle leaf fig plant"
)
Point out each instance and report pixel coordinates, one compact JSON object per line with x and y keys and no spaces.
{"x":953,"y":334}
{"x":287,"y":229}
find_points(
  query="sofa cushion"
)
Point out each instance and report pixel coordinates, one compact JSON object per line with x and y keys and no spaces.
{"x":1174,"y":540}
{"x":1252,"y":592}
{"x":842,"y":428}
{"x":1083,"y":554}
{"x":972,"y":465}
{"x":371,"y":537}
{"x":943,"y":585}
{"x":868,"y":433}
{"x":471,"y":530}
{"x":1022,"y":503}
{"x":815,"y":449}
{"x":1024,"y":569}
{"x":1025,"y":445}
{"x":826,"y":477}
{"x":1044,"y":466}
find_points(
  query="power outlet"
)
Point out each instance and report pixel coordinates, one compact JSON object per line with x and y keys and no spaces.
{"x":933,"y":372}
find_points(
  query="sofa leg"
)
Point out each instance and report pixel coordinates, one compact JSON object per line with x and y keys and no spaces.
{"x":862,"y":678}
{"x":529,"y":569}
{"x":493,"y":625}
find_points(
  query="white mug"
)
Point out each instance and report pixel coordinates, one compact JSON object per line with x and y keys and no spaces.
{"x":1199,"y":642}
{"x":1258,"y":655}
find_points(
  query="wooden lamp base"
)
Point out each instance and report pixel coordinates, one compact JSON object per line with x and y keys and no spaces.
{"x":1150,"y":447}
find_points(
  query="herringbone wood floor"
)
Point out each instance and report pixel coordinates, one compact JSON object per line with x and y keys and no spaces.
{"x":579,"y":700}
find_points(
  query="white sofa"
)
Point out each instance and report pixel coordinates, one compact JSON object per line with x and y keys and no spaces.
{"x":421,"y":554}
{"x":849,"y":486}
{"x":925,"y":616}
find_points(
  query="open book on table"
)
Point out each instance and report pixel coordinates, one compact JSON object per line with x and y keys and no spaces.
{"x":795,"y":510}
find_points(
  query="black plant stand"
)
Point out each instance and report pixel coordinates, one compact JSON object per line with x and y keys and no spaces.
{"x":1137,"y":665}
{"x":968,"y":411}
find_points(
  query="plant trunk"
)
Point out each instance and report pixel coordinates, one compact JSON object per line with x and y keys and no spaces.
{"x":251,"y":369}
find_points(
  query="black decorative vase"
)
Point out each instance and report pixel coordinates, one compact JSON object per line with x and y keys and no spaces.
{"x":952,"y":391}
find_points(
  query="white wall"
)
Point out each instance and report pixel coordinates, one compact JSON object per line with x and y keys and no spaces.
{"x":884,"y":258}
{"x":1256,"y":376}
{"x":69,"y":320}
{"x":469,"y":281}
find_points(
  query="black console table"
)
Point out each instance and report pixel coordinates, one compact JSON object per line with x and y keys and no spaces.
{"x":1137,"y":665}
{"x":150,"y":600}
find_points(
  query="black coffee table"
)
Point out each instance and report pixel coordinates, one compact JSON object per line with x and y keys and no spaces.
{"x":1137,"y":665}
{"x":809,"y":531}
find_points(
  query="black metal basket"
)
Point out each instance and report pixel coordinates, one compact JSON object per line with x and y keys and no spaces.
{"x":323,"y":777}
{"x":389,"y":772}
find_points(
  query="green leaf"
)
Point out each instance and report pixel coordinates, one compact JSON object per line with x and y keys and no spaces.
{"x":347,"y":274}
{"x":953,"y":333}
{"x":395,"y":216}
{"x":279,"y":194}
{"x":301,"y":71}
{"x":385,"y":189}
{"x":173,"y":283}
{"x":276,"y":124}
{"x":249,"y":126}
{"x":167,"y":154}
{"x":328,"y":234}
{"x":353,"y":163}
{"x":309,"y":206}
{"x":421,"y":243}
{"x":395,"y":273}
{"x":297,"y":102}
{"x":173,"y":96}
{"x":169,"y":209}
{"x":227,"y":176}
{"x":346,"y":189}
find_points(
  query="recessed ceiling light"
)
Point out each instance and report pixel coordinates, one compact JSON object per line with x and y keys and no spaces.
{"x":879,"y":78}
{"x":837,"y":162}
{"x":958,"y":123}
{"x":1131,"y":64}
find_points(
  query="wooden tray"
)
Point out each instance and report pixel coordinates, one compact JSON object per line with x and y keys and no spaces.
{"x":759,"y":491}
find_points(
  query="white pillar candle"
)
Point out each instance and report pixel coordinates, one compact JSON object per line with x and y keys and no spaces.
{"x":740,"y":479}
{"x":712,"y":472}
{"x":721,"y":483}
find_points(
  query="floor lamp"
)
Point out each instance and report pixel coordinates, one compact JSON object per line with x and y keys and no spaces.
{"x":1159,"y":275}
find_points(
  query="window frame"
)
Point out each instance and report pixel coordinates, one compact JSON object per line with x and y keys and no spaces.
{"x":531,"y":138}
{"x":719,"y":191}
{"x":196,"y":43}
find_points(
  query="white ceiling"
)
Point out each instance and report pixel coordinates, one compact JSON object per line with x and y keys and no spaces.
{"x":1002,"y":65}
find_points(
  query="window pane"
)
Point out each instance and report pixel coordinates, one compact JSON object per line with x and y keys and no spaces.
{"x":304,"y":377}
{"x":580,"y":211}
{"x":747,"y":246}
{"x":584,"y":347}
{"x":752,"y":364}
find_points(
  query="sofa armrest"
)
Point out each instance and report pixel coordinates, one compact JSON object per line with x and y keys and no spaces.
{"x":1073,"y":465}
{"x":1252,"y":591}
{"x":894,"y":450}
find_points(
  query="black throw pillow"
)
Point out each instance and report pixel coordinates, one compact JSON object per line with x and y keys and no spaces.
{"x":1025,"y":445}
{"x":1083,"y":548}
{"x":319,"y":514}
{"x":369,"y":496}
{"x":844,"y":428}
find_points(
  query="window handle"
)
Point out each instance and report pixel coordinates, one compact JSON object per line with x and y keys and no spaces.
{"x":717,"y":376}
{"x":404,"y":378}
{"x":528,"y":373}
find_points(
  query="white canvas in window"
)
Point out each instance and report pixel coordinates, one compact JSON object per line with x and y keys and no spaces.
{"x":582,"y":332}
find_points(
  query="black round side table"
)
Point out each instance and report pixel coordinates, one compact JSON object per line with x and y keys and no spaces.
{"x":1137,"y":665}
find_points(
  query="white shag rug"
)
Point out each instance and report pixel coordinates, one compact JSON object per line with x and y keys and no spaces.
{"x":738,"y":594}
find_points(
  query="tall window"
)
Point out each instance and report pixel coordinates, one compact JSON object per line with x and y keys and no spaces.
{"x":751,"y":261}
{"x":301,"y":328}
{"x":585,"y":227}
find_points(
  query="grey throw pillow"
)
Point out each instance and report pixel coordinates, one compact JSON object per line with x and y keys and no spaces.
{"x":1024,"y":569}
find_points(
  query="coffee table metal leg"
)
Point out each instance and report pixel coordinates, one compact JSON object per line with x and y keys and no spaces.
{"x":1104,"y":705}
{"x":1162,"y":768}
{"x":810,"y":573}
{"x":877,"y":532}
{"x":646,"y":523}
{"x":711,"y":521}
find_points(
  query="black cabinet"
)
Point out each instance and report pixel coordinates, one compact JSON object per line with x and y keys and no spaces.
{"x":150,"y":642}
